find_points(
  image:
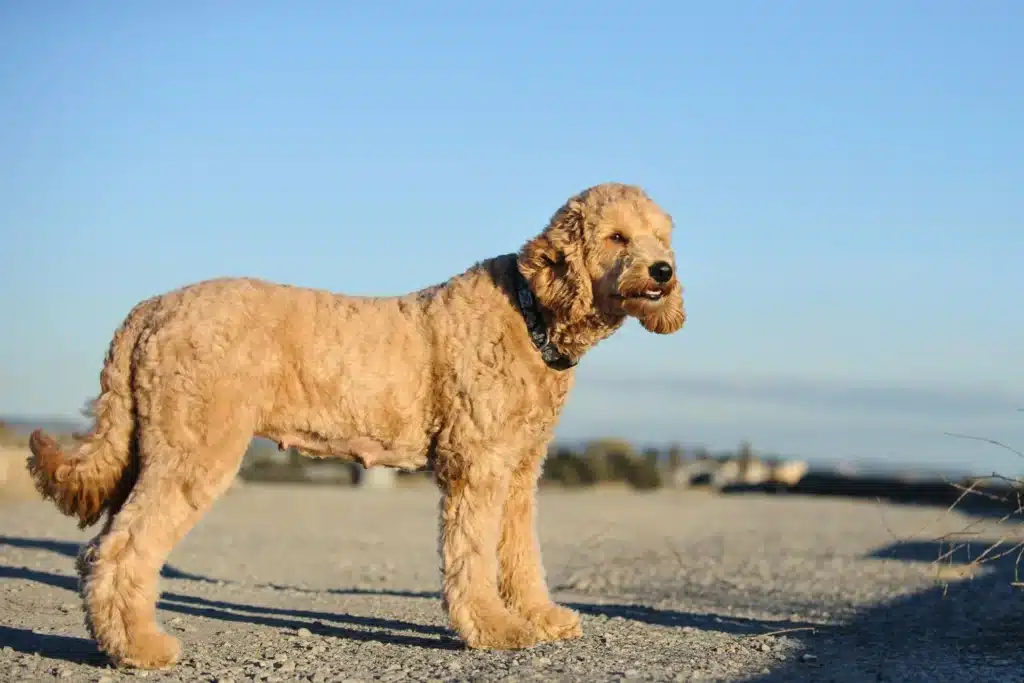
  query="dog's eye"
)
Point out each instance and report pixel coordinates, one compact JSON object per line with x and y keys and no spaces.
{"x":618,"y":238}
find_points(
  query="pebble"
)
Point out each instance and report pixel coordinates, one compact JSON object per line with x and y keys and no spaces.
{"x":304,"y":633}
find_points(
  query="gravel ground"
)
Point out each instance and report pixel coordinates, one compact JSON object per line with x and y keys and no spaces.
{"x":283,"y":583}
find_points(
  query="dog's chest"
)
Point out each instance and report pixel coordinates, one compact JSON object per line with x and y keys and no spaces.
{"x":529,"y":408}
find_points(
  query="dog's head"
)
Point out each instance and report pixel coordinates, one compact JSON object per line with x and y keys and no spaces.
{"x":609,"y":249}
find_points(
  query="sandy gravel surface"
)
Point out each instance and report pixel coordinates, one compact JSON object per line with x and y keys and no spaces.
{"x":283,"y":583}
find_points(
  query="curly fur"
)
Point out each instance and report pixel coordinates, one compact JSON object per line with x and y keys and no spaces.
{"x":446,"y":376}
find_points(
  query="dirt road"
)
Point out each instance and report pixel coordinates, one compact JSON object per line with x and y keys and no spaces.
{"x":283,"y":583}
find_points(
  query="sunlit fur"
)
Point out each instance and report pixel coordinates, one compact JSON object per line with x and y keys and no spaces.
{"x":446,"y":376}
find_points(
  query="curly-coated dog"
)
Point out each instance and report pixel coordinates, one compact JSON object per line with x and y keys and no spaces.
{"x":467,"y":377}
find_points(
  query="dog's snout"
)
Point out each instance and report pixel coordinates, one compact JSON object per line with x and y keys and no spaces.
{"x":661,"y":272}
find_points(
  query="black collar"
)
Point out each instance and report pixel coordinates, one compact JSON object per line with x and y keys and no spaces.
{"x":554,"y":358}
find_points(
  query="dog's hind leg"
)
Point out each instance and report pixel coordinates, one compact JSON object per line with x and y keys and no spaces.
{"x":177,"y":485}
{"x":471,"y":505}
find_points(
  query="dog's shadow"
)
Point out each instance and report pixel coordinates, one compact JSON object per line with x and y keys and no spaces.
{"x":654,"y":616}
{"x":70,"y":549}
{"x":63,"y":648}
{"x":386,"y":631}
{"x":353,"y":627}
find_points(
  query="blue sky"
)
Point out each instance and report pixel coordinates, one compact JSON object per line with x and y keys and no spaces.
{"x":846,"y":179}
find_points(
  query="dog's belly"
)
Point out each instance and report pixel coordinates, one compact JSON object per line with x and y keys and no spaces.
{"x":367,"y":451}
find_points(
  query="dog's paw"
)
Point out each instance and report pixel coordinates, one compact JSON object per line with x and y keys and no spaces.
{"x":554,"y":622}
{"x":507,"y":633}
{"x":149,"y":650}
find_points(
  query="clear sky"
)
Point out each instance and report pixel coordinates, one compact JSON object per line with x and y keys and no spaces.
{"x":847,"y":180}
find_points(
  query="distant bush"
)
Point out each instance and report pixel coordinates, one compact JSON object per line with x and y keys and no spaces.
{"x":604,"y":461}
{"x":567,"y":468}
{"x":609,"y":459}
{"x":645,"y":473}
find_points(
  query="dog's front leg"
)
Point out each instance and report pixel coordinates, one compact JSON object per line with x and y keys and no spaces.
{"x":522,"y":585}
{"x":471,"y":510}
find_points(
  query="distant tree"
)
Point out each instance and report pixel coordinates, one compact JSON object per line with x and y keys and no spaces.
{"x":653,"y":457}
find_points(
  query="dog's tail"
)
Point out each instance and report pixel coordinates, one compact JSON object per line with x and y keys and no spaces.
{"x":101,"y":470}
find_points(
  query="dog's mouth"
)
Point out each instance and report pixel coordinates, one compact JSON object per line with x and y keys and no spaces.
{"x":646,"y":295}
{"x":652,"y":294}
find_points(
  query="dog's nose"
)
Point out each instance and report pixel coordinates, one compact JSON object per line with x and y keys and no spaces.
{"x":661,"y":272}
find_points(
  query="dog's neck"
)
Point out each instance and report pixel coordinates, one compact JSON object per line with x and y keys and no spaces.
{"x":576,"y":338}
{"x":561,"y":343}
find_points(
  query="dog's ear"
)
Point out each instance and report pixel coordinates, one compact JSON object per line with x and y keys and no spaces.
{"x":554,"y":266}
{"x":668,"y":316}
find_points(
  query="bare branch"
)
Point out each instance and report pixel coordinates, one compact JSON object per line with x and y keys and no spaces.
{"x":986,"y":440}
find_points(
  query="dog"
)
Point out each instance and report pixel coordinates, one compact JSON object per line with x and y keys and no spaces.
{"x":466,"y":378}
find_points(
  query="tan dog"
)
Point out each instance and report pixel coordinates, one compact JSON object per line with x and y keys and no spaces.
{"x":468,"y":377}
